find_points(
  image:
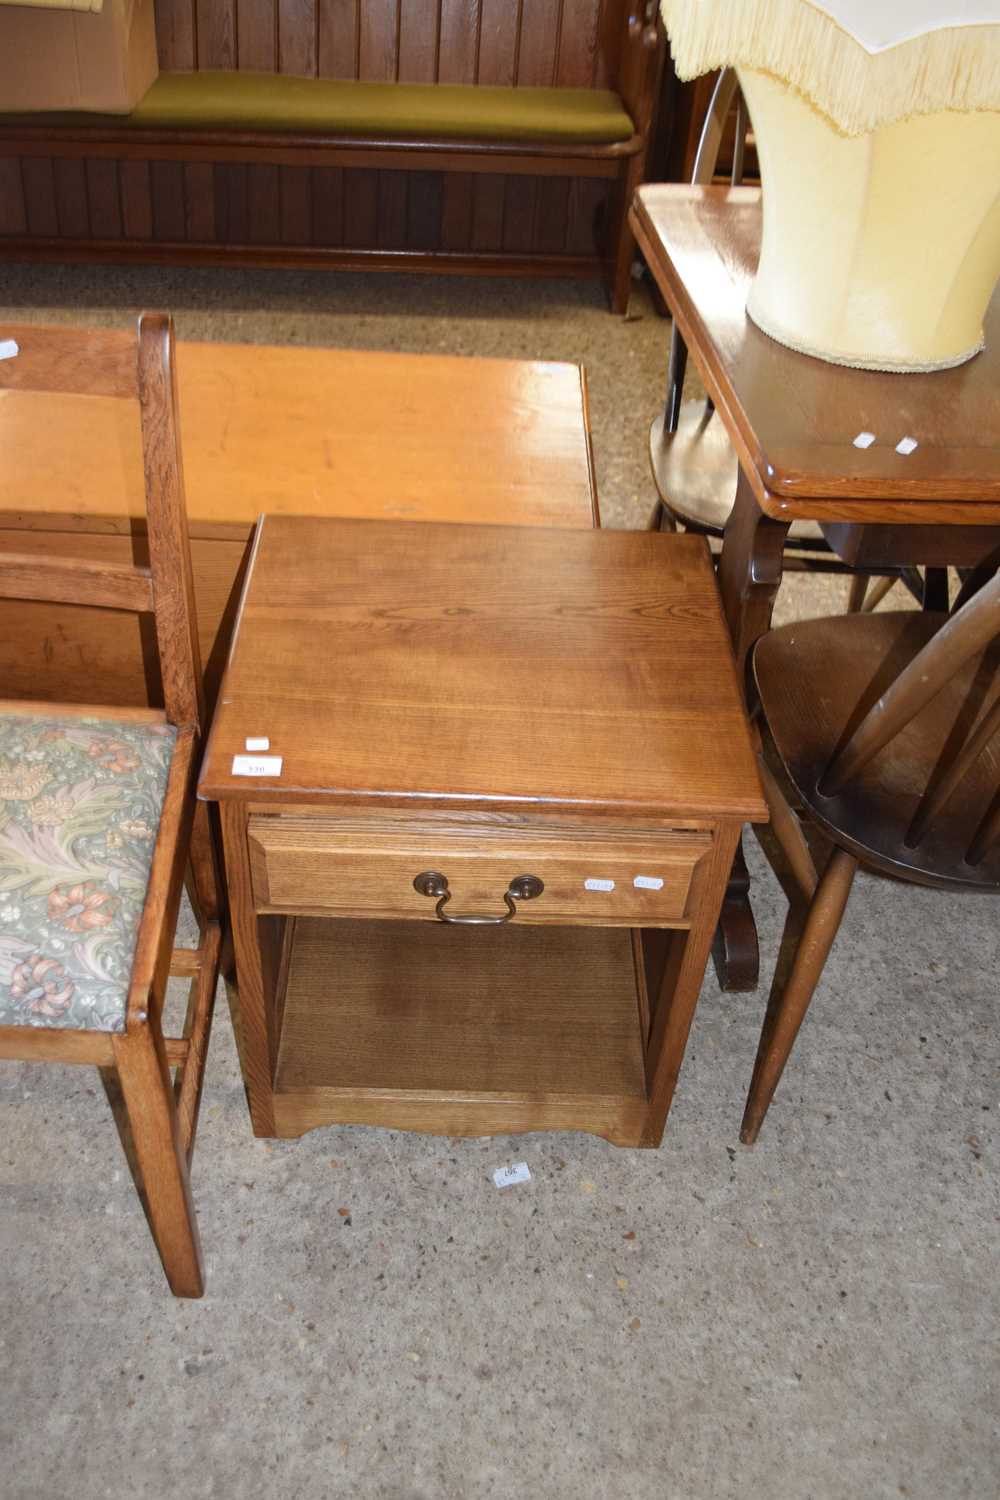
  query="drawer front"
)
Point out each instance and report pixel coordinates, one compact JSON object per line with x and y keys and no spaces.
{"x":345,"y":868}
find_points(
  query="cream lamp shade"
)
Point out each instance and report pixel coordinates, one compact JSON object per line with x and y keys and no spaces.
{"x":877,"y":125}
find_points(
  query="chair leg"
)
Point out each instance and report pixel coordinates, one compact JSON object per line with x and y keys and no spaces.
{"x":856,"y":593}
{"x":786,"y":1008}
{"x":152,"y":1116}
{"x":873,"y":598}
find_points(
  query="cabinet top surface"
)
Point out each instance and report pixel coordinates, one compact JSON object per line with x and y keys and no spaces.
{"x":795,"y":418}
{"x":483,"y":667}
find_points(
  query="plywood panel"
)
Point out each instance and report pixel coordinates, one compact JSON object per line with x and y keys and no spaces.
{"x":377,"y":49}
{"x":175,"y":35}
{"x":296,"y":205}
{"x":327,"y":205}
{"x":216,"y":31}
{"x":13,"y":218}
{"x":137,"y":203}
{"x":459,"y":44}
{"x":424,"y":204}
{"x":551,"y":219}
{"x":199,"y":201}
{"x":578,"y":43}
{"x":103,"y":198}
{"x":167,"y":188}
{"x":71,"y":197}
{"x":487,"y":212}
{"x":256,"y":30}
{"x":520,"y":200}
{"x":456,"y":211}
{"x":338,"y":38}
{"x":418,"y":41}
{"x":297,"y":50}
{"x":391,"y":210}
{"x":232,"y":215}
{"x":40,"y":196}
{"x":264,"y":203}
{"x":586,"y":213}
{"x":536,"y":66}
{"x":498,"y":38}
{"x":360,"y":208}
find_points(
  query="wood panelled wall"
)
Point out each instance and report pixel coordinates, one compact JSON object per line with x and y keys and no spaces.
{"x":541,"y":43}
{"x":324,"y":208}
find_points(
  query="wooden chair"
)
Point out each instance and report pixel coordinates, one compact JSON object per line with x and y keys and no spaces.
{"x":99,"y":823}
{"x":693,"y":461}
{"x":886,"y":726}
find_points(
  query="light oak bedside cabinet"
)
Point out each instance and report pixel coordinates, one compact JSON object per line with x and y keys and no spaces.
{"x":475,"y":870}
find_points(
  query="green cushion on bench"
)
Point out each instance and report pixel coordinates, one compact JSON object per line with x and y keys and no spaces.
{"x":268,"y":102}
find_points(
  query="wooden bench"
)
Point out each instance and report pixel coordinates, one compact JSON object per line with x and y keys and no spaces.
{"x":287,"y":431}
{"x":488,"y":137}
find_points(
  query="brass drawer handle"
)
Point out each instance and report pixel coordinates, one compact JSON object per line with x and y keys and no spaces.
{"x":521,"y":888}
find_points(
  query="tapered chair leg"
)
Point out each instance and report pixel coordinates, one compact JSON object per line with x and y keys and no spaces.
{"x":786,"y":1010}
{"x":856,"y":593}
{"x":152,"y":1116}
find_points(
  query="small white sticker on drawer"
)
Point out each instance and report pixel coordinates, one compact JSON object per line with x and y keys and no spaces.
{"x":9,"y":348}
{"x":257,"y":742}
{"x":512,"y":1175}
{"x":598,"y":885}
{"x":648,"y":883}
{"x":257,"y":765}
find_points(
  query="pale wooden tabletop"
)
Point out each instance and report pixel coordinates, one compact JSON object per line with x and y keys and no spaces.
{"x":303,"y":431}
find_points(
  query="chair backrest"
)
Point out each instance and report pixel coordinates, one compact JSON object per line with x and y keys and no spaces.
{"x":965,"y":635}
{"x":725,"y":93}
{"x":94,"y":363}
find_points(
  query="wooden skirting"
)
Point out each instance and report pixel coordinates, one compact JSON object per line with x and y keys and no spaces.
{"x":108,"y":208}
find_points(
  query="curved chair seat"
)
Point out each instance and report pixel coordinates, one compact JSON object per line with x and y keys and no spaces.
{"x":816,"y":681}
{"x":695,"y":470}
{"x":80,"y":805}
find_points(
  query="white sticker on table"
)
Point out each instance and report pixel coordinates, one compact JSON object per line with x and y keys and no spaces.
{"x":8,"y":348}
{"x":598,"y":885}
{"x":257,"y":765}
{"x":511,"y":1176}
{"x":648,"y":883}
{"x":864,"y":440}
{"x":906,"y":446}
{"x":257,"y":742}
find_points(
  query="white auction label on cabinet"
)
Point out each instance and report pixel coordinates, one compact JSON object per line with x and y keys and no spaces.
{"x":257,"y":765}
{"x":598,"y":885}
{"x":510,"y":1176}
{"x":648,"y":883}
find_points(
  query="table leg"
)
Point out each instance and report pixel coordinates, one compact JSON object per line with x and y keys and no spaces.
{"x":749,"y":575}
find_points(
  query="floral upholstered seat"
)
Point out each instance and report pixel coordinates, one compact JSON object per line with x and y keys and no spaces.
{"x":80,"y":803}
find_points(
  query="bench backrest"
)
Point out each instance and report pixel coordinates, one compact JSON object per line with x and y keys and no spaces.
{"x":534,"y":43}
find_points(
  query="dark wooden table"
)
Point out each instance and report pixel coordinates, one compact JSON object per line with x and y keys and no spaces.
{"x":793,"y":421}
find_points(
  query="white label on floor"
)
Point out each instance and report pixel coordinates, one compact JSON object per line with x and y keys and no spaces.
{"x":648,"y":883}
{"x":8,"y":348}
{"x":510,"y":1176}
{"x":598,"y":885}
{"x":256,"y":765}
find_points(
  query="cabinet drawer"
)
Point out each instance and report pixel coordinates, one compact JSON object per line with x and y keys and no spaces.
{"x":350,"y":867}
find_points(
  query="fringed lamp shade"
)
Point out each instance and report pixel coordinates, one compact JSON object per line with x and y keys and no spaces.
{"x":878,"y":132}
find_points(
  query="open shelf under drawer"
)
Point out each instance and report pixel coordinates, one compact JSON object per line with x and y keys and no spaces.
{"x":467,"y":1031}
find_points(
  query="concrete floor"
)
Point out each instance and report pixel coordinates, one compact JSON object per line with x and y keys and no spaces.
{"x":813,"y":1319}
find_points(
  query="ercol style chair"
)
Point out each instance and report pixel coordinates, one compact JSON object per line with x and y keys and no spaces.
{"x":693,"y":460}
{"x":99,"y":824}
{"x":886,"y":725}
